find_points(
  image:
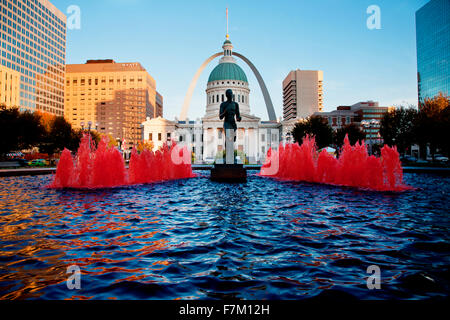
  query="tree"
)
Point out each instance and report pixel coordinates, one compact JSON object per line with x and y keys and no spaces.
{"x":145,"y":145}
{"x":316,"y":126}
{"x":46,"y":119}
{"x":432,"y":124}
{"x":111,"y":141}
{"x":59,"y":136}
{"x":19,"y":130}
{"x":397,"y":127}
{"x":354,"y":133}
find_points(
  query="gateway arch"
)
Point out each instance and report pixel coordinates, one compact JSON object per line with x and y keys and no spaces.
{"x":262,"y":85}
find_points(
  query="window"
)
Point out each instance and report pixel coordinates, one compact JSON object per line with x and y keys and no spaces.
{"x":150,"y":136}
{"x":159,"y":136}
{"x":223,"y":98}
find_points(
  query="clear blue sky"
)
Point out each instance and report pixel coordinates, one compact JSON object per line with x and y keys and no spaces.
{"x":171,"y":39}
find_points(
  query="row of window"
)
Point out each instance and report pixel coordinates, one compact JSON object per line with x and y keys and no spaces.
{"x":96,"y":82}
{"x":41,"y":43}
{"x":216,"y":98}
{"x":45,"y":19}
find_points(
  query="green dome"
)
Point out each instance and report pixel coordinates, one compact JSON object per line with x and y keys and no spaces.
{"x":227,"y":42}
{"x":227,"y":71}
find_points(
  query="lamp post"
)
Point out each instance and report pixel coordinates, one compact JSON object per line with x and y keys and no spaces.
{"x":369,"y":125}
{"x":288,"y":137}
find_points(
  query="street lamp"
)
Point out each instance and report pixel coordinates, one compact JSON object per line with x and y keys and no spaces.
{"x":288,"y":137}
{"x":369,"y":125}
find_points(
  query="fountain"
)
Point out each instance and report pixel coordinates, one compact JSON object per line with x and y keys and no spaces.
{"x":353,"y":168}
{"x":104,"y":167}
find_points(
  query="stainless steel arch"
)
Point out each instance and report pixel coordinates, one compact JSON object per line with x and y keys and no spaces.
{"x":188,"y":97}
{"x":262,"y":85}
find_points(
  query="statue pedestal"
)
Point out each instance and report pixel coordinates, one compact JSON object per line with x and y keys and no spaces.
{"x":229,"y":173}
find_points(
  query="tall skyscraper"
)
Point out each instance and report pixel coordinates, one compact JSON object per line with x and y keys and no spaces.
{"x":433,"y":48}
{"x":114,"y":97}
{"x":302,"y":94}
{"x":33,"y":43}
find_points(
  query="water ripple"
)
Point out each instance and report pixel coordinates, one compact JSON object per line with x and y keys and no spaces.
{"x":196,"y":239}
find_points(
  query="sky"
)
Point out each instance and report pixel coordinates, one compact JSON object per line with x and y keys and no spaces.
{"x":171,"y":39}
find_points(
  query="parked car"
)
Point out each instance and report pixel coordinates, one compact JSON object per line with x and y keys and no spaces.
{"x":22,"y":162}
{"x":409,"y":158}
{"x":441,"y":158}
{"x":38,"y":163}
{"x":438,"y":158}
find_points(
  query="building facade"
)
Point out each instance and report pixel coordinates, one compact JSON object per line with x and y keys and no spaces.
{"x":360,"y":112}
{"x":433,"y":49}
{"x":9,"y":87}
{"x":33,"y":43}
{"x":302,"y":94}
{"x":115,"y":98}
{"x":206,"y":136}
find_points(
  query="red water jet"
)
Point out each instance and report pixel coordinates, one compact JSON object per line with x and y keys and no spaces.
{"x":353,"y":168}
{"x":104,"y":167}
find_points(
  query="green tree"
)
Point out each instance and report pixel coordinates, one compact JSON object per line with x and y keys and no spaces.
{"x":354,"y":133}
{"x":316,"y":126}
{"x":397,"y":127}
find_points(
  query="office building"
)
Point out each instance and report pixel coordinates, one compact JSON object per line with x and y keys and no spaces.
{"x":302,"y":94}
{"x":433,"y":49}
{"x":33,"y":43}
{"x":357,"y":113}
{"x":111,"y":98}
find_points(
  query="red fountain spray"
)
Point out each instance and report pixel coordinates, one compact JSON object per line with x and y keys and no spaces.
{"x":354,"y":167}
{"x":104,"y":167}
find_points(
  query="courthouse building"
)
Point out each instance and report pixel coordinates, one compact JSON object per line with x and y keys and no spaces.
{"x":205,"y":136}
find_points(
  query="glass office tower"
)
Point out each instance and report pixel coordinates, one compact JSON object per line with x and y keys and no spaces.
{"x":433,"y":48}
{"x":33,"y":43}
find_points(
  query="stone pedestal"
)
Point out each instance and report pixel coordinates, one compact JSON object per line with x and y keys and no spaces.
{"x":229,"y":147}
{"x":229,"y":173}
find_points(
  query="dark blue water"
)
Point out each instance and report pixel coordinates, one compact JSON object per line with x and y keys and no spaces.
{"x":195,"y":239}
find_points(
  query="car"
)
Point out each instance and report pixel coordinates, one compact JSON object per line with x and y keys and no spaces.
{"x":441,"y":159}
{"x":38,"y":163}
{"x":409,"y":158}
{"x":209,"y":160}
{"x":22,"y":162}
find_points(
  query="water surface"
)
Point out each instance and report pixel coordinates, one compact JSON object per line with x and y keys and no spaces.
{"x":196,"y":239}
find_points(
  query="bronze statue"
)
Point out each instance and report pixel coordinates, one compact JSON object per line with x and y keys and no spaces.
{"x":230,"y":110}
